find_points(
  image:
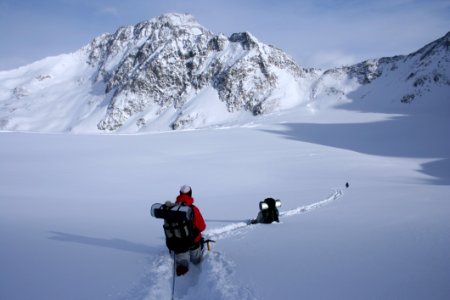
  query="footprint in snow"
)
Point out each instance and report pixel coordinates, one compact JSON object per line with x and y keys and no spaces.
{"x":212,"y":279}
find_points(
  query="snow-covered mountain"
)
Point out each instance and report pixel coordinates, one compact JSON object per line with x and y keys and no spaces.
{"x":77,"y":206}
{"x":161,"y":65}
{"x":171,"y":73}
{"x":421,"y":79}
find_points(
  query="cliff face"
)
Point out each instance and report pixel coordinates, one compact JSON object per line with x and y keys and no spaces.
{"x":163,"y":61}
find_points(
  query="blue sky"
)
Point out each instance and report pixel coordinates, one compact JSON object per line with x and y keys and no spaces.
{"x":316,"y":33}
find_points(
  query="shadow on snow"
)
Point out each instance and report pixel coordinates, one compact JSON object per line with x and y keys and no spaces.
{"x":117,"y":244}
{"x":406,"y":136}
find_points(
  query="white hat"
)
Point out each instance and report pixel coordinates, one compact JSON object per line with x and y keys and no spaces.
{"x":185,"y":189}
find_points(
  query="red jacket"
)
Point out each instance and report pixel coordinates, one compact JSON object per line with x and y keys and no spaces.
{"x":198,"y":222}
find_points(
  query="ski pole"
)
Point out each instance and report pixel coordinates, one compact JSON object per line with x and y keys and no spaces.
{"x":173,"y":277}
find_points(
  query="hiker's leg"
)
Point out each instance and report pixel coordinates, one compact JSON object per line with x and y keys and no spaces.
{"x":182,"y":262}
{"x":182,"y":258}
{"x":197,"y":254}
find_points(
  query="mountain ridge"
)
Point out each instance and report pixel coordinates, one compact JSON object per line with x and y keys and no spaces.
{"x":172,"y":73}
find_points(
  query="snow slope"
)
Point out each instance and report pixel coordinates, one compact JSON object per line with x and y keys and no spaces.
{"x":75,"y":222}
{"x":172,"y":73}
{"x":74,"y":209}
{"x":145,"y":77}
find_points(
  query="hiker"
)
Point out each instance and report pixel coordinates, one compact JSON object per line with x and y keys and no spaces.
{"x":268,"y":211}
{"x":183,"y":226}
{"x":195,"y":252}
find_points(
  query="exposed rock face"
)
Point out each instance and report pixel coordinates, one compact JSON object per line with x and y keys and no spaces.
{"x":416,"y":73}
{"x":172,"y":73}
{"x":161,"y":61}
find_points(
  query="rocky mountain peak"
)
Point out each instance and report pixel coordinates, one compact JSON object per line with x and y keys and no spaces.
{"x":433,"y":48}
{"x":246,"y":39}
{"x":171,"y":72}
{"x":159,"y":63}
{"x":177,"y":20}
{"x":415,"y":75}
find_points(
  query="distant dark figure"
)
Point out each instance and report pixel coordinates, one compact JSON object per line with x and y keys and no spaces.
{"x":268,"y":211}
{"x":347,"y":185}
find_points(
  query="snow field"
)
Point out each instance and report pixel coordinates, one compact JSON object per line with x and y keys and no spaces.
{"x":75,"y":221}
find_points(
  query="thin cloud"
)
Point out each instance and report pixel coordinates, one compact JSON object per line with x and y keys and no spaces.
{"x":110,"y":10}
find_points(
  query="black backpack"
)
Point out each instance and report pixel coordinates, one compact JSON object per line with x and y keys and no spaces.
{"x":178,"y":226}
{"x":269,"y":210}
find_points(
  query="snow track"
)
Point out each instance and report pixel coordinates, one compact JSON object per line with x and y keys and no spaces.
{"x":239,"y":227}
{"x":336,"y":195}
{"x":214,"y":278}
